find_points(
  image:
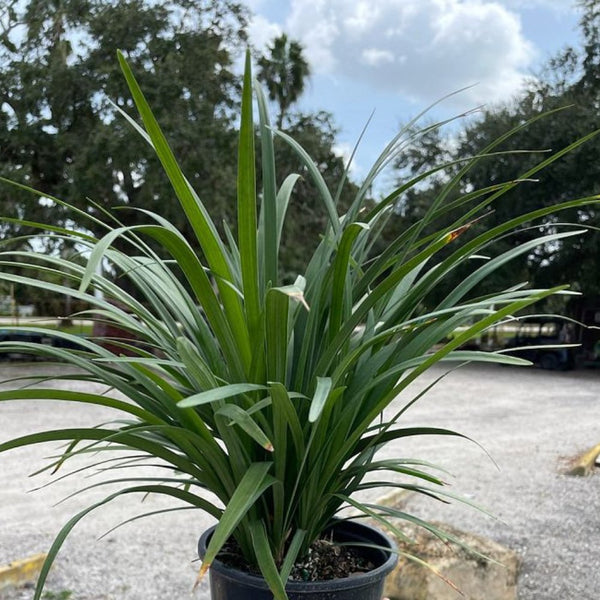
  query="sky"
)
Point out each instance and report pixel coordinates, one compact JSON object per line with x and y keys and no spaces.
{"x":396,"y":57}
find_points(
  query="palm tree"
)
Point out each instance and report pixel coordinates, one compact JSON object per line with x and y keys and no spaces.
{"x":284,"y":72}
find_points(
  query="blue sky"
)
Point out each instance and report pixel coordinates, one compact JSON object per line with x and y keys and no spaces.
{"x":398,"y":56}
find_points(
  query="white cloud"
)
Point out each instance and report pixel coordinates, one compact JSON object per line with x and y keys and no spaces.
{"x":261,"y":31}
{"x":556,"y":5}
{"x":344,"y":150}
{"x":375,"y":57}
{"x":422,"y":49}
{"x":255,"y":5}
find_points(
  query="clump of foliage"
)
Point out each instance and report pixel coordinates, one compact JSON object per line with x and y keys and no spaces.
{"x":566,"y":92}
{"x":272,"y":397}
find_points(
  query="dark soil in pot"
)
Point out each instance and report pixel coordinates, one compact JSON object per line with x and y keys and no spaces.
{"x":331,"y":571}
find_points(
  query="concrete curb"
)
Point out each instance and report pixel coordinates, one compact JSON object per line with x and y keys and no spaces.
{"x":21,"y":571}
{"x":395,"y":498}
{"x":448,"y":572}
{"x":584,"y":464}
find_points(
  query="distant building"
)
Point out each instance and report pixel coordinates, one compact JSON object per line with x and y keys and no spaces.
{"x":26,"y":310}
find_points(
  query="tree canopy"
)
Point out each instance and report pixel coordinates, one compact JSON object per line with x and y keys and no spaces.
{"x":567,"y":94}
{"x":284,"y":71}
{"x":61,"y":131}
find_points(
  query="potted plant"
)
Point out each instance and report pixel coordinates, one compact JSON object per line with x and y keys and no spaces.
{"x":271,"y":397}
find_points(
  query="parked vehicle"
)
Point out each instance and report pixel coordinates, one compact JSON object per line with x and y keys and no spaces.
{"x":586,"y":309}
{"x":15,"y":337}
{"x":537,"y":339}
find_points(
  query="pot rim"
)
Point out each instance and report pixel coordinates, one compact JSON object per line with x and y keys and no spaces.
{"x":354,"y":581}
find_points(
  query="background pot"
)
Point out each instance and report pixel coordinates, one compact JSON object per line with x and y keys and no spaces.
{"x":227,"y":583}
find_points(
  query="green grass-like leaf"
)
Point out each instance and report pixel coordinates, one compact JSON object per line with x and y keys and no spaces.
{"x":274,"y":398}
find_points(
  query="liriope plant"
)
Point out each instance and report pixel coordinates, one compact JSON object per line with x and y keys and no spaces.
{"x":264,"y":403}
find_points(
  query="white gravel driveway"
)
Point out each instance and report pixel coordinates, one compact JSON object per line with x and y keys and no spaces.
{"x":527,"y":419}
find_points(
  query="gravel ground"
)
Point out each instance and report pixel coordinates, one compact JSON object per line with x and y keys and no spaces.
{"x":530,"y":421}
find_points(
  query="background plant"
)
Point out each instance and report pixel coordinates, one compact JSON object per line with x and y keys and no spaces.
{"x":569,"y":79}
{"x":271,"y":396}
{"x":58,"y":77}
{"x":284,"y":72}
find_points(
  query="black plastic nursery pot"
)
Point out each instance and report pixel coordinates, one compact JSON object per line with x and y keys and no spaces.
{"x":227,"y":583}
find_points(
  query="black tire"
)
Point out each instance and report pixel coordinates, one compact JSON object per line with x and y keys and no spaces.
{"x":549,"y":361}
